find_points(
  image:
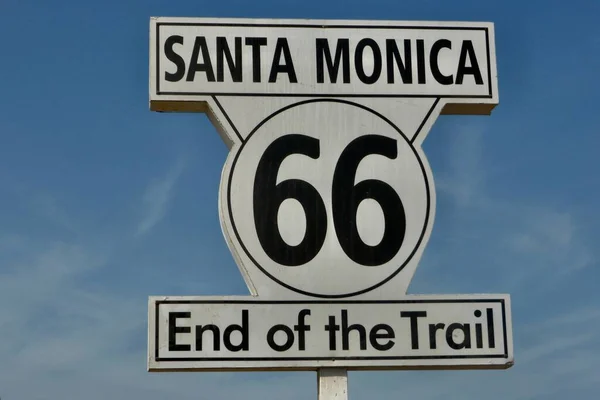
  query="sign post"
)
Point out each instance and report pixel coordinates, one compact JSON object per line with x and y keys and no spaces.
{"x":327,"y":200}
{"x":332,"y":384}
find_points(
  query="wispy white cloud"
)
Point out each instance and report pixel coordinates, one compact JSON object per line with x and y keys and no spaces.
{"x":465,"y":179}
{"x":532,"y":243}
{"x":75,"y":342}
{"x":551,"y":245}
{"x":40,"y":204}
{"x":553,"y":346}
{"x":48,"y":206}
{"x":156,"y":198}
{"x":579,"y":317}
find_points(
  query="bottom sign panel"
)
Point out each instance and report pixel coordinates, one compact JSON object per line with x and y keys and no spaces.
{"x":205,"y":333}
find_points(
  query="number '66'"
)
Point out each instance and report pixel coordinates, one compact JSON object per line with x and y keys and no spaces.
{"x":346,"y":197}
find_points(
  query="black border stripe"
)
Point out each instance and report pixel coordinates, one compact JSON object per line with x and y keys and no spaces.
{"x":156,"y":316}
{"x":317,"y":26}
{"x":489,"y":66}
{"x":415,"y":301}
{"x":157,"y":55}
{"x":158,"y":303}
{"x":417,"y":96}
{"x":435,"y":103}
{"x":388,"y":358}
{"x":504,"y":333}
{"x":218,"y":103}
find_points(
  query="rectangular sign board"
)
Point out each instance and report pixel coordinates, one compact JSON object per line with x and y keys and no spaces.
{"x":195,"y":58}
{"x":244,"y":333}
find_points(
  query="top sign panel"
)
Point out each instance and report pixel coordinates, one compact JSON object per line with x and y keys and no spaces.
{"x":195,"y":58}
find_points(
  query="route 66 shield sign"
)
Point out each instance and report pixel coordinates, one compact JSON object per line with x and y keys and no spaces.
{"x":326,"y":194}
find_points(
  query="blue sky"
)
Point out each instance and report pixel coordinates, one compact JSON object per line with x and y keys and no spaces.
{"x":103,"y":203}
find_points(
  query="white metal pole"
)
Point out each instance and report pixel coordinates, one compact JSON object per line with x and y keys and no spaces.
{"x":332,"y":383}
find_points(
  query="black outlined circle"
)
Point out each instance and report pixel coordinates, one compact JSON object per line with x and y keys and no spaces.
{"x":320,"y":295}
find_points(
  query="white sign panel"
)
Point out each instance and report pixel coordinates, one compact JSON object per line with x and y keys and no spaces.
{"x":209,"y":334}
{"x":195,"y":58}
{"x":327,"y":200}
{"x":301,"y":60}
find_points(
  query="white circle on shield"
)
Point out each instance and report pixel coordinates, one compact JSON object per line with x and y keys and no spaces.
{"x":328,"y":198}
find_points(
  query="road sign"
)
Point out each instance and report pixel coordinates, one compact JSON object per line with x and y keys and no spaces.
{"x":242,"y":333}
{"x":327,"y":200}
